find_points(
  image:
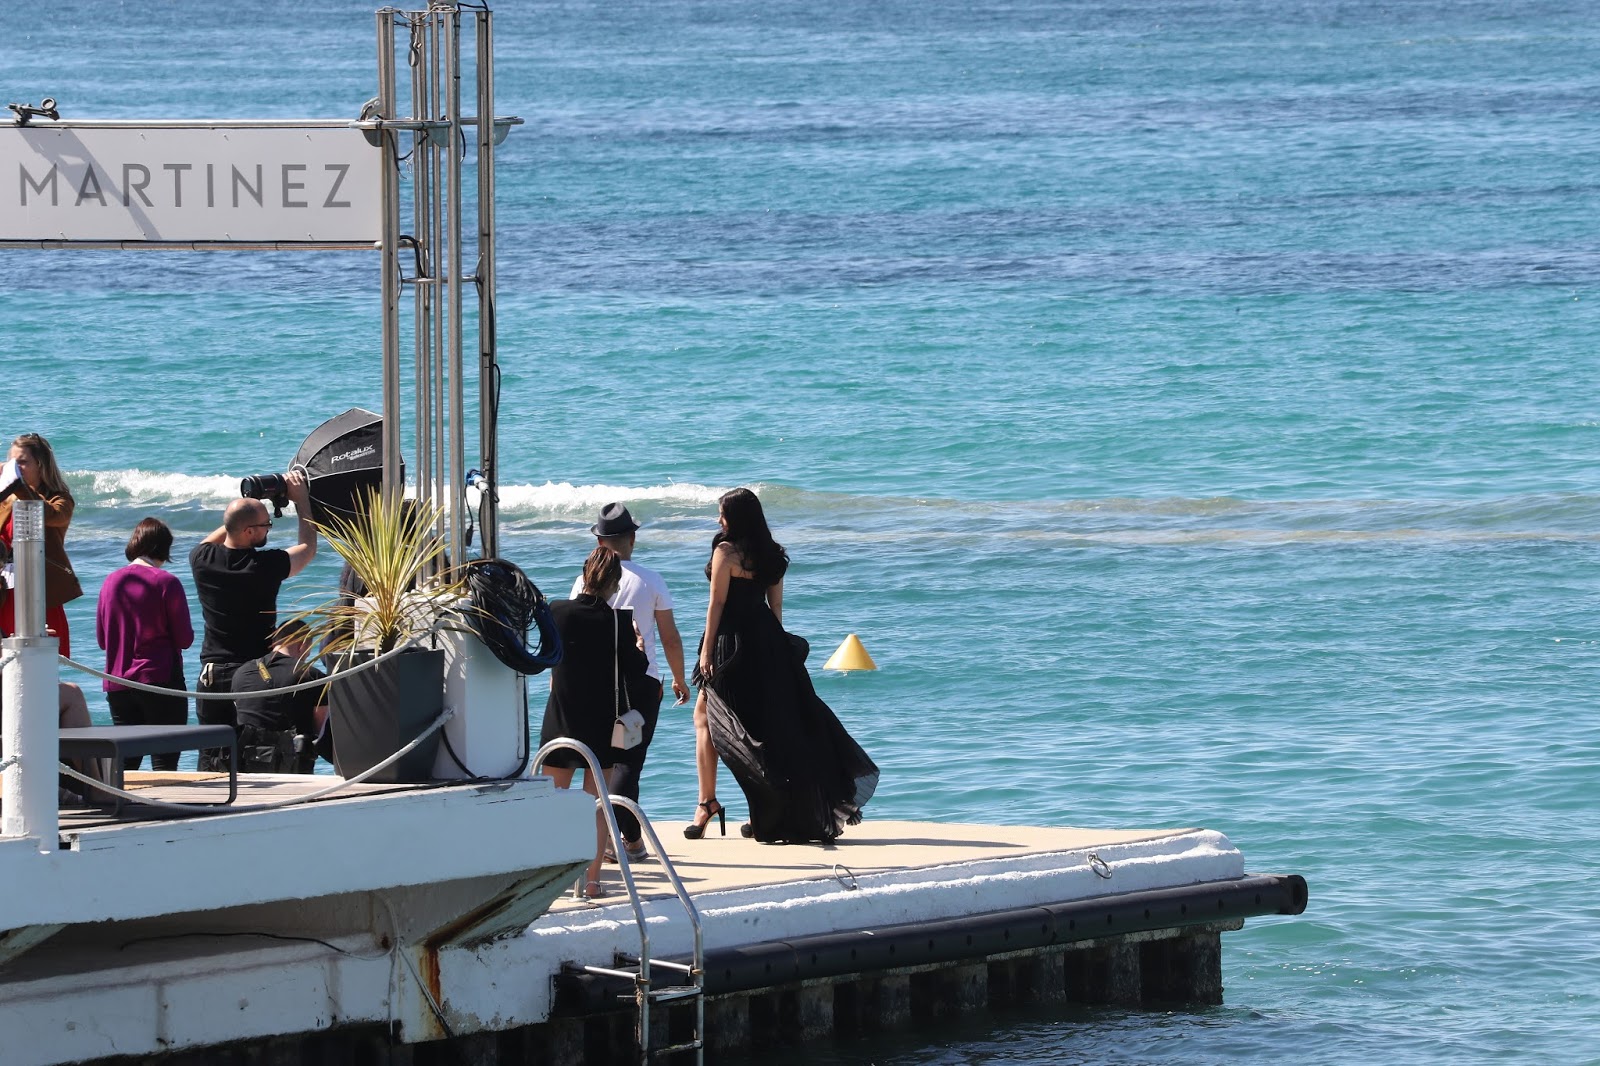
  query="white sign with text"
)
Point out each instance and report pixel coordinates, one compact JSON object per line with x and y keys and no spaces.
{"x":189,"y":183}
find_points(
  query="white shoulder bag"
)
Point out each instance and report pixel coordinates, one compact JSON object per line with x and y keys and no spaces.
{"x":628,"y":729}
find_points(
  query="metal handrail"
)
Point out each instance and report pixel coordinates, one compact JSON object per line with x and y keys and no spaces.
{"x":602,"y":802}
{"x":697,"y":970}
{"x":605,"y":803}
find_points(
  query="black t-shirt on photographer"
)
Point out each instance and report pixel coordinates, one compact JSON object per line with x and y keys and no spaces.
{"x":238,"y":590}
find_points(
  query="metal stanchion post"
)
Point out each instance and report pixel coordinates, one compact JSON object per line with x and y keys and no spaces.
{"x":32,"y":741}
{"x":393,"y":486}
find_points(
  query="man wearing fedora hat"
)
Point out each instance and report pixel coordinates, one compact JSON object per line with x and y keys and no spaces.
{"x":644,"y":591}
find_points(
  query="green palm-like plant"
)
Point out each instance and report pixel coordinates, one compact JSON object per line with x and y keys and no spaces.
{"x":392,"y":548}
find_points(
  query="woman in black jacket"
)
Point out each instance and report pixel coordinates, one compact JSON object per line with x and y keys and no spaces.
{"x":601,"y":652}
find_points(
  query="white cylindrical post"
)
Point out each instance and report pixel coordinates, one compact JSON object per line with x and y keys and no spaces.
{"x":30,"y":723}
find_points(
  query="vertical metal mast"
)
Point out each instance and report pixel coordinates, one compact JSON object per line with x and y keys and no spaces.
{"x":488,"y":372}
{"x":451,"y":22}
{"x":439,"y":151}
{"x":433,"y":159}
{"x":390,"y":191}
{"x":425,"y":282}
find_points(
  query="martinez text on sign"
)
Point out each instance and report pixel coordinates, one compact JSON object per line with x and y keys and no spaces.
{"x":214,"y":183}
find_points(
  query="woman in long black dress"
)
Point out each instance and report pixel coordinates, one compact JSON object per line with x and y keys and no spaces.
{"x":804,"y":776}
{"x":588,"y":688}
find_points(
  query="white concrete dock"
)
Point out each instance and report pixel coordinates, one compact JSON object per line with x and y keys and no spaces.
{"x":383,"y":968}
{"x":878,"y":851}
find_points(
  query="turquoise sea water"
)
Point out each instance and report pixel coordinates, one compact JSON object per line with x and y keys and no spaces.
{"x":1192,"y":405}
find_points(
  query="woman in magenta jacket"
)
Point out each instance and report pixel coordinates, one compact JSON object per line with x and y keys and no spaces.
{"x":142,"y":621}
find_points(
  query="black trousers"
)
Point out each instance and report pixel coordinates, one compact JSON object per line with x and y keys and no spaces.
{"x":628,"y":763}
{"x":131,"y":707}
{"x":216,"y":677}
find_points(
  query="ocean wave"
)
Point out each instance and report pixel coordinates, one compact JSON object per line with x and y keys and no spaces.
{"x":564,"y":499}
{"x":137,"y":488}
{"x":151,"y":488}
{"x":1131,"y":519}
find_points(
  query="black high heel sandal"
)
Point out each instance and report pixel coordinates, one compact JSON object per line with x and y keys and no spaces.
{"x":713,"y":809}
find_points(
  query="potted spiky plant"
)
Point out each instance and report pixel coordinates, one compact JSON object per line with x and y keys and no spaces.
{"x":399,"y":600}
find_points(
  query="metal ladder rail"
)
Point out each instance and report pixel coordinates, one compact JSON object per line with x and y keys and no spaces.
{"x":695,"y":971}
{"x":645,"y":993}
{"x":605,"y":803}
{"x":602,"y":804}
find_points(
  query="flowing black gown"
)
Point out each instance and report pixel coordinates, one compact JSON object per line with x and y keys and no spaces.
{"x":805,"y":778}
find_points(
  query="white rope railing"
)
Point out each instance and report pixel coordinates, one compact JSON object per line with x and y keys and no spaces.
{"x":344,"y":783}
{"x":286,"y":690}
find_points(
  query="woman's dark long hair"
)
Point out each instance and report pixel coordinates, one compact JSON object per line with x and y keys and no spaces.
{"x":601,"y":571}
{"x":748,"y":533}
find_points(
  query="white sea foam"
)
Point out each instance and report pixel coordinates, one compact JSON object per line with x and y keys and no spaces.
{"x":116,"y":488}
{"x":150,"y":488}
{"x":1116,"y":520}
{"x":565,"y":498}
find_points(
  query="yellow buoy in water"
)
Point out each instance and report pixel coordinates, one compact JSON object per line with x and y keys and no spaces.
{"x":850,"y":656}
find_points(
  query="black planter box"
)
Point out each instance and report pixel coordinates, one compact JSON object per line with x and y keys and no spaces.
{"x":377,"y":712}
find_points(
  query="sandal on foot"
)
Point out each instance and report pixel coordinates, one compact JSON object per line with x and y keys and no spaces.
{"x":594,"y":890}
{"x":636,"y":850}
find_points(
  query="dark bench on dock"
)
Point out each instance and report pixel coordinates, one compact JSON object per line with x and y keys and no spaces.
{"x":119,"y":742}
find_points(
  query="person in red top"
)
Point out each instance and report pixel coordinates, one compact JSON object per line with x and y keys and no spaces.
{"x":142,"y":621}
{"x":31,"y":473}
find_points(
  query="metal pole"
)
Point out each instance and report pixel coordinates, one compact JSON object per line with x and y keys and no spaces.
{"x":390,"y":191}
{"x":422,"y":328}
{"x":488,"y":398}
{"x":452,"y":59}
{"x":30,"y":718}
{"x":441,"y":297}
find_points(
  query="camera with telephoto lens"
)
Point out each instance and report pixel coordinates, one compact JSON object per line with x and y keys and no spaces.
{"x":274,"y":488}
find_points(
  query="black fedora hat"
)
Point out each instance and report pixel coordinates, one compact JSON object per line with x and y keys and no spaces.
{"x":615,"y":521}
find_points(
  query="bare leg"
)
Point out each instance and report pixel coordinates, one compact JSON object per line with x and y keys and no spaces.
{"x":602,"y":833}
{"x":562,"y":777}
{"x":705,"y":754}
{"x":74,"y":707}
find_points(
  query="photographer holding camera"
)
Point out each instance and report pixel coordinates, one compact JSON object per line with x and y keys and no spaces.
{"x":277,"y":734}
{"x":237,"y":579}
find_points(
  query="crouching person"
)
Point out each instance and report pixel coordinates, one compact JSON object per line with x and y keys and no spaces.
{"x":277,"y":733}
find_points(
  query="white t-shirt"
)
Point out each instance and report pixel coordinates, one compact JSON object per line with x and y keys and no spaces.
{"x":644,"y":590}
